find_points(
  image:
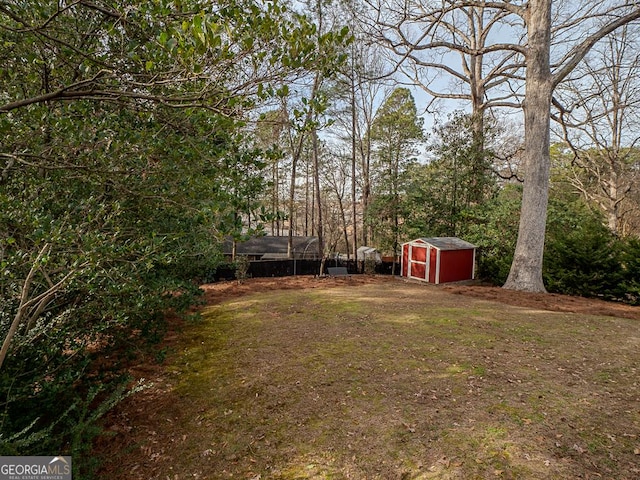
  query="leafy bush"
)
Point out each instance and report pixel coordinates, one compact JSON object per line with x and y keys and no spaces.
{"x":630,"y":268}
{"x":494,"y":230}
{"x":124,"y":247}
{"x":242,"y":265}
{"x":370,"y":266}
{"x":582,"y":257}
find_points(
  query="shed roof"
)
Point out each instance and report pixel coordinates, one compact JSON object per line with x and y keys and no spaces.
{"x":448,"y":243}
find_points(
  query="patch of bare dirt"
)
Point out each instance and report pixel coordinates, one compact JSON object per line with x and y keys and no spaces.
{"x":219,"y":292}
{"x":548,"y":301}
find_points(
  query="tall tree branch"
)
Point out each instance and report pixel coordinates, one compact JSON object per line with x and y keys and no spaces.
{"x":579,"y":52}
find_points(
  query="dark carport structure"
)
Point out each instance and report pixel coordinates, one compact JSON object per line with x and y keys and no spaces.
{"x":274,"y":248}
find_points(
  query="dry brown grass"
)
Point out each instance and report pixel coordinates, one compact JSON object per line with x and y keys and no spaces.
{"x":383,"y":379}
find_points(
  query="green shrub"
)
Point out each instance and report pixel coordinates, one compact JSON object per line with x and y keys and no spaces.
{"x":242,"y":265}
{"x":493,"y":228}
{"x":370,"y":266}
{"x":582,"y":257}
{"x":630,"y":266}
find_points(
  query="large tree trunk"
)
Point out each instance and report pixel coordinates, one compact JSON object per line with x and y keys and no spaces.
{"x":526,"y":269}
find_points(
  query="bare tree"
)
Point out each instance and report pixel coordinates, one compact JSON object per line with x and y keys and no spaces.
{"x":599,"y":117}
{"x":368,"y":94}
{"x":549,"y":43}
{"x":358,"y":90}
{"x":542,"y":78}
{"x":337,"y":176}
{"x":455,"y":51}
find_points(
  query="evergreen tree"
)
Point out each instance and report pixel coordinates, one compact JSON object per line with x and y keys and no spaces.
{"x":395,"y":134}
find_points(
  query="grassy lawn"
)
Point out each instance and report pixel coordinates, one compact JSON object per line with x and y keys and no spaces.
{"x":390,"y":381}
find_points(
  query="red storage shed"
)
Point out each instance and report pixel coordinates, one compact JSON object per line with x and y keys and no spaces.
{"x":438,"y":259}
